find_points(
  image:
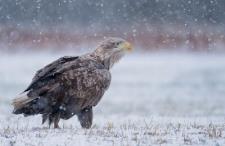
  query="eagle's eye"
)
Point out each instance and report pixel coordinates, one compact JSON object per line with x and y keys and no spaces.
{"x":117,"y":43}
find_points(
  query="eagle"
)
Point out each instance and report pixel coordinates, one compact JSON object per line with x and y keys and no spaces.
{"x":71,"y":85}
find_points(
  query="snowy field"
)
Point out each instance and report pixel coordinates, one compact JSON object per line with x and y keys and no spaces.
{"x":158,"y":99}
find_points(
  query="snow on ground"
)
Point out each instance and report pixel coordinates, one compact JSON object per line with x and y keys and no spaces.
{"x":157,"y":99}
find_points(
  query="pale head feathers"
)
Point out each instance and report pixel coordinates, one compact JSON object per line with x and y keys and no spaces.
{"x":111,"y":50}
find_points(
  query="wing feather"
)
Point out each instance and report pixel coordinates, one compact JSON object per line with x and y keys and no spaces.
{"x":49,"y":70}
{"x":72,"y":79}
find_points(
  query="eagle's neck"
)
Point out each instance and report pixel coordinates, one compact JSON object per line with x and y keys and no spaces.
{"x":108,"y":60}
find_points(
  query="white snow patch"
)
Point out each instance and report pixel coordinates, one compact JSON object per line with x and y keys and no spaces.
{"x":157,"y":99}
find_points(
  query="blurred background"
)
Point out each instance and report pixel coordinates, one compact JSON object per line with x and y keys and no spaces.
{"x":177,"y":68}
{"x":181,"y":25}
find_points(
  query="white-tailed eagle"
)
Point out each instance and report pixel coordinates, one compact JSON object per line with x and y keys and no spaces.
{"x":71,"y":85}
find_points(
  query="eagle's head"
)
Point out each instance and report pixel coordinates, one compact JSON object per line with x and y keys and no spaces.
{"x":111,"y":50}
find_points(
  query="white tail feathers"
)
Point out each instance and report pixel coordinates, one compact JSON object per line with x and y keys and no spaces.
{"x":21,"y":100}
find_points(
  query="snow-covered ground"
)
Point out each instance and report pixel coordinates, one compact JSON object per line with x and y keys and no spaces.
{"x":154,"y":99}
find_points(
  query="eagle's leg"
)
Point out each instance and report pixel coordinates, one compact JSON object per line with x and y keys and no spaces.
{"x":85,"y":117}
{"x":54,"y":118}
{"x":44,"y":118}
{"x":50,"y":120}
{"x":56,"y":121}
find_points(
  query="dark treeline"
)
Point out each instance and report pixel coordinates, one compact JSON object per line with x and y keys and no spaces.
{"x":112,"y":12}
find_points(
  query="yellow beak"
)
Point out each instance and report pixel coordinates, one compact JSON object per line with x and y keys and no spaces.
{"x":126,"y":46}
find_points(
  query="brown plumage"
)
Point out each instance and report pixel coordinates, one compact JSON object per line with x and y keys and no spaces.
{"x":71,"y":85}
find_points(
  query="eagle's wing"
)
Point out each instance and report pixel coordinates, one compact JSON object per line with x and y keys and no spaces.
{"x":49,"y":70}
{"x":82,"y":81}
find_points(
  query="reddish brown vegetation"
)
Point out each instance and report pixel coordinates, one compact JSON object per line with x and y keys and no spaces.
{"x":12,"y":38}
